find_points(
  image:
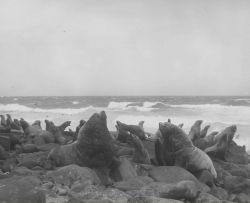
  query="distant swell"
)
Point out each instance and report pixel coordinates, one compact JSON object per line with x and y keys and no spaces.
{"x":21,"y":108}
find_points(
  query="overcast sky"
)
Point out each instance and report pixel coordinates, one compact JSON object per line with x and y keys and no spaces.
{"x":124,"y":47}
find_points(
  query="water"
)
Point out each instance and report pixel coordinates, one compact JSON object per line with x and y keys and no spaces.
{"x":217,"y":111}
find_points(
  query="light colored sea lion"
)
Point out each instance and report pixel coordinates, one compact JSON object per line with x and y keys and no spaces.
{"x":186,"y":154}
{"x":137,"y":130}
{"x":195,"y":130}
{"x":93,"y":148}
{"x":204,"y":131}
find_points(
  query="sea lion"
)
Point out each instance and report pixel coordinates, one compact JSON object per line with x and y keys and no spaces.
{"x":3,"y":121}
{"x":140,"y":154}
{"x":137,"y":130}
{"x":93,"y":148}
{"x":122,"y":135}
{"x":36,"y":134}
{"x":204,"y":131}
{"x":37,"y":123}
{"x":14,"y":125}
{"x":207,"y":141}
{"x":186,"y":154}
{"x":222,"y":142}
{"x":81,"y":123}
{"x":64,"y":125}
{"x":56,"y":132}
{"x":181,"y":125}
{"x":195,"y":130}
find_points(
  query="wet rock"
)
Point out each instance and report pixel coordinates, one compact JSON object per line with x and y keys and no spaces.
{"x":19,"y":190}
{"x":70,"y":174}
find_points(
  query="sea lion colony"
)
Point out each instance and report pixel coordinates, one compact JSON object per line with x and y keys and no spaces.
{"x":129,"y":165}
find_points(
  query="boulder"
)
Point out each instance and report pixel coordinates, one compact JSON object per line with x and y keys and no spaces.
{"x":151,"y":199}
{"x":206,"y":198}
{"x":133,"y":184}
{"x":20,"y":190}
{"x":70,"y":174}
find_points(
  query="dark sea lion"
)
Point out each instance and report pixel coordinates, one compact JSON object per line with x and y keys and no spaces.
{"x":37,"y":123}
{"x":64,"y":125}
{"x":57,"y":133}
{"x":81,"y":123}
{"x":140,"y":154}
{"x":222,"y":142}
{"x":195,"y":130}
{"x":204,"y":131}
{"x":137,"y":130}
{"x":93,"y":148}
{"x":35,"y":133}
{"x":181,"y":125}
{"x":122,"y":135}
{"x":186,"y":154}
{"x":3,"y":121}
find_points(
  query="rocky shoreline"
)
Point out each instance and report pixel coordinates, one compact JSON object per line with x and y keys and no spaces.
{"x":92,"y":164}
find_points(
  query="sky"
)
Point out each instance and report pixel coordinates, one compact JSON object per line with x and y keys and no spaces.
{"x":124,"y":47}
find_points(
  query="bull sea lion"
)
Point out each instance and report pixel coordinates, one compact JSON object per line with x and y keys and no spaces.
{"x":3,"y":121}
{"x":137,"y":130}
{"x":222,"y":142}
{"x":93,"y":148}
{"x":195,"y":130}
{"x":186,"y":154}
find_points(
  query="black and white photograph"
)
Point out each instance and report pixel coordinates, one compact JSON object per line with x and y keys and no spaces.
{"x":124,"y":101}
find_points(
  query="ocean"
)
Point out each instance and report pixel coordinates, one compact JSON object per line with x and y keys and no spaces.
{"x":219,"y":112}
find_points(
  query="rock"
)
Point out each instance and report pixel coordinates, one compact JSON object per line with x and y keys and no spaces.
{"x":220,"y":193}
{"x":124,"y":171}
{"x":23,"y":171}
{"x":206,"y":198}
{"x":242,"y":198}
{"x":19,"y":190}
{"x":104,"y":194}
{"x":70,"y":174}
{"x":151,"y":199}
{"x":174,"y":174}
{"x":5,"y":141}
{"x":182,"y":190}
{"x":187,"y":190}
{"x":3,"y":154}
{"x":133,"y":184}
{"x":237,"y":184}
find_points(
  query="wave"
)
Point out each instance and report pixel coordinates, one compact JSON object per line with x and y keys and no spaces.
{"x":21,"y":108}
{"x":75,"y":102}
